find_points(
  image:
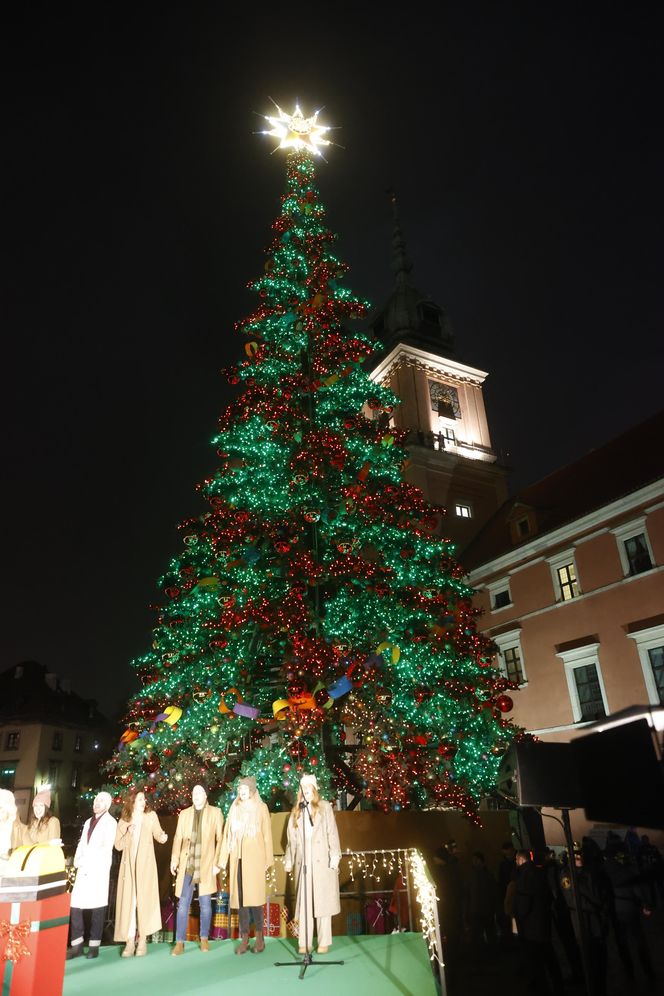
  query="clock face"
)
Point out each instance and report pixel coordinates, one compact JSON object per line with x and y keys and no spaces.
{"x":444,"y":399}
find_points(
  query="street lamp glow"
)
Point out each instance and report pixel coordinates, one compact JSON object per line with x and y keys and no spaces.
{"x":294,"y":131}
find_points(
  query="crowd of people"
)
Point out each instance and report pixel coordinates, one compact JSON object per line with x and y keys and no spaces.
{"x":204,"y":845}
{"x":557,"y":935}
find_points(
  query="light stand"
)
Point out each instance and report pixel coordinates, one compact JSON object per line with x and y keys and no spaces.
{"x":302,"y":887}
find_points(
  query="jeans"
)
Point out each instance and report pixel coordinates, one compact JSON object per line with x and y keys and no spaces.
{"x":205,"y":904}
{"x":97,"y":918}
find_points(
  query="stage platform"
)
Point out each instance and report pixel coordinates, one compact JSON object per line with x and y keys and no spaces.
{"x":386,"y":964}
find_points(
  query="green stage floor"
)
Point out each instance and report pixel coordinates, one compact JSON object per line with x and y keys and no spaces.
{"x":386,"y":964}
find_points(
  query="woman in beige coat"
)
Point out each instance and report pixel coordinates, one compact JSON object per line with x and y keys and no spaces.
{"x":43,"y":826}
{"x":137,"y":910}
{"x":247,"y":842}
{"x":312,"y":830}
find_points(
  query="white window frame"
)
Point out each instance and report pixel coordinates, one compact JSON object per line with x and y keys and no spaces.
{"x":555,"y":563}
{"x":506,"y":641}
{"x":581,"y":657}
{"x":628,"y":530}
{"x":496,"y":588}
{"x":645,"y":640}
{"x":463,"y":504}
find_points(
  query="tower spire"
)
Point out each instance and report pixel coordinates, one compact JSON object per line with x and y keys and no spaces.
{"x":401,"y":263}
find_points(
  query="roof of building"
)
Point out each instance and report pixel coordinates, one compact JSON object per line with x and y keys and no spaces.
{"x":30,"y":693}
{"x":622,"y":466}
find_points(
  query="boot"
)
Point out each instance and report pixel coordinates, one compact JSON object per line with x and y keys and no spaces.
{"x":205,"y":946}
{"x":93,"y":952}
{"x":178,"y":949}
{"x":141,"y":946}
{"x":74,"y":952}
{"x":129,"y":948}
{"x":260,"y":944}
{"x":244,"y":946}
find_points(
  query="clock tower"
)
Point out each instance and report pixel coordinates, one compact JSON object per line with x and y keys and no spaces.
{"x":442,"y":405}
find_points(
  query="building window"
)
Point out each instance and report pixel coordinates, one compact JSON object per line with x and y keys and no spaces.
{"x":511,"y":656}
{"x":463,"y":511}
{"x":589,"y":692}
{"x":567,"y":583}
{"x":564,"y":576}
{"x":650,"y":647}
{"x":57,"y":740}
{"x":499,"y":594}
{"x":75,"y":776}
{"x":13,"y":740}
{"x":584,"y":682}
{"x":7,"y":776}
{"x":78,"y":743}
{"x":636,"y":554}
{"x":523,"y":527}
{"x":53,"y":773}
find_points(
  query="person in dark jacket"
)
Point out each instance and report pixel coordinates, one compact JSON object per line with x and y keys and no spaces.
{"x":630,"y":905}
{"x":595,"y":903}
{"x":449,"y":885}
{"x":532,"y":912}
{"x":505,"y":874}
{"x":480,"y":907}
{"x":561,"y":918}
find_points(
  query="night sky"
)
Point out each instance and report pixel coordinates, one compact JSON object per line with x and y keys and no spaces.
{"x":525,"y":149}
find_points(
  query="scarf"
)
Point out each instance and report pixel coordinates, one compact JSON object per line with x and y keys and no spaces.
{"x":195,"y":847}
{"x":93,"y":823}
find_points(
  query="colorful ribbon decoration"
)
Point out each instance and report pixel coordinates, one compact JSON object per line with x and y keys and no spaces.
{"x":242,"y":709}
{"x":223,"y":708}
{"x":386,"y":645}
{"x":340,"y":687}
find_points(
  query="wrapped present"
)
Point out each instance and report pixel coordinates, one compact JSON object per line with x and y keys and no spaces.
{"x":219,"y":930}
{"x":272,"y":917}
{"x":34,"y":871}
{"x":33,"y":945}
{"x":378,"y":917}
{"x":168,"y":915}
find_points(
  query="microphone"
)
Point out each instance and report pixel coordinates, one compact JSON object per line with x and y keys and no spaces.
{"x":303,"y":804}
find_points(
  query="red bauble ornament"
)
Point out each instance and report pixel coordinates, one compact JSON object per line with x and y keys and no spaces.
{"x":504,"y":703}
{"x":151,"y":763}
{"x":446,"y":750}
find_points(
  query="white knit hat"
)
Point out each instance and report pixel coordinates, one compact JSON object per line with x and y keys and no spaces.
{"x":308,"y":780}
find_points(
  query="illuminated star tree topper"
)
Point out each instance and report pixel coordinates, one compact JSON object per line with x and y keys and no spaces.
{"x":296,"y":132}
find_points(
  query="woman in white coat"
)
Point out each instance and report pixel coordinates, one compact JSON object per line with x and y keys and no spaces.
{"x":312,"y":826}
{"x":92,"y":862}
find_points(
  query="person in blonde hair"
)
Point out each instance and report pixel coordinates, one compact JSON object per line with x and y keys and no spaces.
{"x":247,"y":844}
{"x":313,"y":839}
{"x":11,"y":828}
{"x":43,"y":827}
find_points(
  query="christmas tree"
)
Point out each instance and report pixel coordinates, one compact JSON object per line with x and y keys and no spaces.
{"x":315,"y":618}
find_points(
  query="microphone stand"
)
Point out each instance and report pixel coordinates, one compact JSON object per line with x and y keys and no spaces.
{"x":302,"y":888}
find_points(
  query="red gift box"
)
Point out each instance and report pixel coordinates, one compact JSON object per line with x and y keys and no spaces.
{"x":35,"y":934}
{"x":272,"y":914}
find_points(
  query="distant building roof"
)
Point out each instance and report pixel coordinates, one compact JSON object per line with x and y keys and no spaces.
{"x":30,"y":693}
{"x":620,"y":467}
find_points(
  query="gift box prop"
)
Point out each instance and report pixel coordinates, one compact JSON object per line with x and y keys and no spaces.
{"x":220,"y":927}
{"x":34,"y":921}
{"x":377,"y":914}
{"x":272,"y":919}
